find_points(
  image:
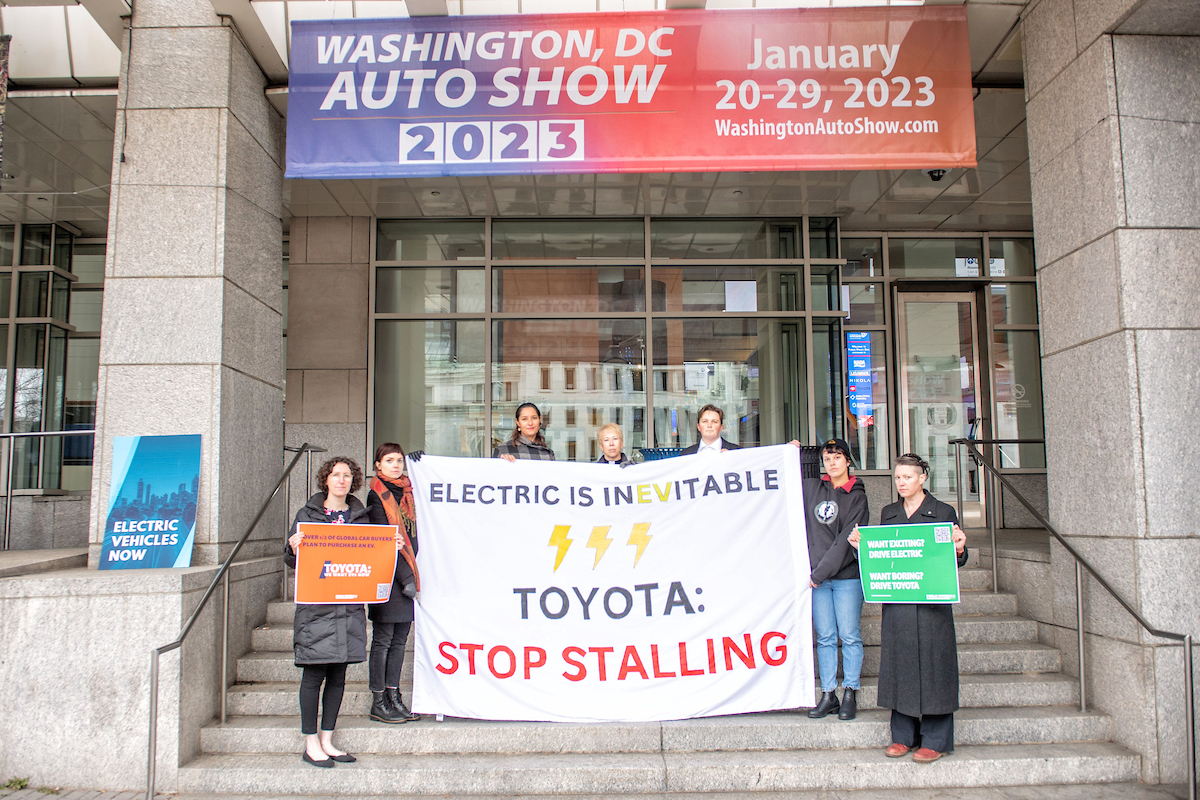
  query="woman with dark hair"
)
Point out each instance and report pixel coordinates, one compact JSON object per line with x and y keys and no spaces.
{"x":526,"y":440}
{"x":327,"y":638}
{"x":390,"y":502}
{"x":612,"y":444}
{"x":918,"y":658}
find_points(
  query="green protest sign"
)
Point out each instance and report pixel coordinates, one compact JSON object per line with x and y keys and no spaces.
{"x":908,"y":563}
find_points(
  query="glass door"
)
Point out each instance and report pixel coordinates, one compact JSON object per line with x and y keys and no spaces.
{"x":939,"y":391}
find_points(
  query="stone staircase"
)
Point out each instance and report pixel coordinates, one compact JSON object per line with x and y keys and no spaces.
{"x":1018,"y":726}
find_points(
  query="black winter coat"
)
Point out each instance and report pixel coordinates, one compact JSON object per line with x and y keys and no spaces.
{"x":398,"y":608}
{"x":830,"y":515}
{"x":918,"y":657}
{"x":334,"y":633}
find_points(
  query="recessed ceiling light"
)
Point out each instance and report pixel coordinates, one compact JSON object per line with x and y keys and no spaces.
{"x":737,"y":191}
{"x":435,"y":194}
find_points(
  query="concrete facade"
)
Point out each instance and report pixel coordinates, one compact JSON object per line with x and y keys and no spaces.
{"x":193,"y":297}
{"x":1114,"y":122}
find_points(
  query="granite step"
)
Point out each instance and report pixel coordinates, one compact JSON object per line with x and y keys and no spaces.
{"x":787,"y":730}
{"x":634,"y":773}
{"x":1022,"y":690}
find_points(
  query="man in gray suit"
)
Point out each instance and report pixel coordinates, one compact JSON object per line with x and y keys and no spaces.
{"x":710,"y":424}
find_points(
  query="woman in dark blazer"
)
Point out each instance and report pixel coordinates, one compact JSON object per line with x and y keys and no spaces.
{"x":918,"y":659}
{"x":327,"y":638}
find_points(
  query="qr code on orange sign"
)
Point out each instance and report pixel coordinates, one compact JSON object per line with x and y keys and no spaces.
{"x":941,"y":534}
{"x":381,"y":589}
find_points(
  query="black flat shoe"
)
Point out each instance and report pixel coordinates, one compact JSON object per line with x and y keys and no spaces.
{"x":344,"y":758}
{"x":829,"y":704}
{"x":324,"y":763}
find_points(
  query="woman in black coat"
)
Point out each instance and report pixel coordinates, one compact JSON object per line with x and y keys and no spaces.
{"x":327,"y":638}
{"x":390,"y":502}
{"x":612,"y":443}
{"x":918,"y":659}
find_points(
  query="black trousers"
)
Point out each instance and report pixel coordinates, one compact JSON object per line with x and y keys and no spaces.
{"x":388,"y":640}
{"x":935,"y":731}
{"x":334,"y":678}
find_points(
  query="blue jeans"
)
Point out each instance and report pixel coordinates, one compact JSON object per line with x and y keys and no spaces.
{"x":836,"y":611}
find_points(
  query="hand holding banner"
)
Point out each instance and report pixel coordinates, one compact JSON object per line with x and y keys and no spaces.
{"x":345,"y":563}
{"x":908,"y":563}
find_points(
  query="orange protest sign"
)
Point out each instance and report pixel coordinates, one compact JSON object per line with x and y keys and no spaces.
{"x":345,"y":563}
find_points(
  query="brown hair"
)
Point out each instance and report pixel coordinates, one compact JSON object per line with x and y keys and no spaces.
{"x":711,"y":407}
{"x":356,"y":474}
{"x":540,"y":439}
{"x":386,"y":449}
{"x":913,"y":460}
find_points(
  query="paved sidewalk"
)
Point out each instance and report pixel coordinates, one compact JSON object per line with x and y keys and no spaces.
{"x":1111,"y":791}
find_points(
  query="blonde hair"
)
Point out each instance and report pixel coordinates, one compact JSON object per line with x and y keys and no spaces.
{"x":610,"y":426}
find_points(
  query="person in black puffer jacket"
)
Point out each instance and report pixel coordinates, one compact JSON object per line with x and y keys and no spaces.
{"x":327,"y":638}
{"x":833,"y":505}
{"x":390,"y":502}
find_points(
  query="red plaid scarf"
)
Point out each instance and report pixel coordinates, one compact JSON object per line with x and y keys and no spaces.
{"x":403,"y":516}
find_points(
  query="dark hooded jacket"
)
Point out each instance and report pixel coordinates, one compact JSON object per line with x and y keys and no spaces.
{"x":831,"y":515}
{"x":334,"y":633}
{"x":399,"y":607}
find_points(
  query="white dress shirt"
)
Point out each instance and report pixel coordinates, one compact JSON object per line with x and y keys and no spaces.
{"x":710,"y":449}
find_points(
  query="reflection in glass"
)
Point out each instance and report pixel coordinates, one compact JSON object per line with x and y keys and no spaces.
{"x":5,"y":292}
{"x":56,"y":401}
{"x":866,"y":303}
{"x":581,"y":374}
{"x":1014,"y":303}
{"x":826,"y":287}
{"x":736,"y":289}
{"x":85,"y":310}
{"x":426,"y":240}
{"x":867,"y":434}
{"x":32,"y":294}
{"x":1019,"y":397}
{"x":429,"y":386}
{"x":63,"y":241}
{"x":822,"y":237}
{"x":568,"y":238}
{"x":7,"y":236}
{"x":935,"y":258}
{"x":864,"y":258}
{"x":829,"y":399}
{"x":1010,"y":258}
{"x":35,"y":244}
{"x":27,"y":401}
{"x":428,"y":290}
{"x":571,"y":289}
{"x":88,"y":263}
{"x":83,"y":367}
{"x":752,"y":369}
{"x":60,"y":297}
{"x":723,"y":238}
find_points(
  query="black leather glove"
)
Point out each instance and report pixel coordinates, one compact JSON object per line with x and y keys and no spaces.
{"x":415,"y":455}
{"x":409,"y":590}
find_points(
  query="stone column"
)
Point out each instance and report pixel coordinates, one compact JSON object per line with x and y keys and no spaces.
{"x":1114,"y":145}
{"x":191,"y":333}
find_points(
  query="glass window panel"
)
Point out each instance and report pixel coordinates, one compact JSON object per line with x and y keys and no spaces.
{"x":83,"y":367}
{"x":88,"y":263}
{"x":1014,"y":303}
{"x":826,"y":283}
{"x":56,"y":389}
{"x":60,"y":297}
{"x":62,"y":249}
{"x":864,"y":258}
{"x":1010,"y":258}
{"x":284,"y":304}
{"x":1018,"y":368}
{"x":32,"y":295}
{"x":571,"y":289}
{"x":935,"y":258}
{"x":734,"y":289}
{"x":866,"y":303}
{"x":829,"y":399}
{"x":429,"y":386}
{"x":27,"y":401}
{"x":421,"y":240}
{"x":568,"y":238}
{"x":867,"y":423}
{"x":723,"y":238}
{"x":433,"y":290}
{"x":35,"y":244}
{"x":752,"y":369}
{"x":537,"y":357}
{"x":7,"y":235}
{"x":85,"y":309}
{"x":5,"y":293}
{"x":3,"y":376}
{"x":822,"y":237}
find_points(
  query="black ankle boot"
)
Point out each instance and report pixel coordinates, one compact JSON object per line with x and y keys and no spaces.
{"x":849,"y":704}
{"x":829,"y":704}
{"x":396,"y":704}
{"x":381,"y":711}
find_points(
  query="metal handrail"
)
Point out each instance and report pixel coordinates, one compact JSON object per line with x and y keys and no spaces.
{"x":222,"y":575}
{"x":8,"y":492}
{"x":1081,"y":564}
{"x":287,"y":504}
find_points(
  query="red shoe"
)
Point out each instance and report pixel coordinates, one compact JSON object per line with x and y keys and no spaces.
{"x":925,"y":755}
{"x":895,"y":750}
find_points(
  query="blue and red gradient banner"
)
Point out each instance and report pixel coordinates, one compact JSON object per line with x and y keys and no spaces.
{"x":660,"y":91}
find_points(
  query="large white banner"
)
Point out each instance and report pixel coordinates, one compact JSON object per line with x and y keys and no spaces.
{"x":587,"y":592}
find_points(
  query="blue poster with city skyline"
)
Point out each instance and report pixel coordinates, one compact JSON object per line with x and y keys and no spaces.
{"x":151,"y":519}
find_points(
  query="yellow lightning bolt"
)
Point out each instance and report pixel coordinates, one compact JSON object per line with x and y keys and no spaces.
{"x":640,"y":538}
{"x":599,"y":541}
{"x":559,"y":539}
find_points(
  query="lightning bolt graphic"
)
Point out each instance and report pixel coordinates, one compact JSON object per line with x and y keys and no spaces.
{"x":599,"y":541}
{"x":639,"y":538}
{"x":559,"y":539}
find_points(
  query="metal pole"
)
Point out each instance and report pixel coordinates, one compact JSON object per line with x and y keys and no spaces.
{"x":1190,"y":704}
{"x":287,"y":528}
{"x":991,"y":502}
{"x":12,"y":443}
{"x":1079,"y":622}
{"x":308,"y":473}
{"x":225,"y":648}
{"x":152,"y":748}
{"x":958,"y":481}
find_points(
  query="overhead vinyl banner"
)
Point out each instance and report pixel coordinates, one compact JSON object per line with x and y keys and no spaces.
{"x":587,"y":592}
{"x":661,"y":91}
